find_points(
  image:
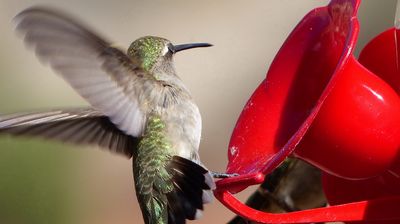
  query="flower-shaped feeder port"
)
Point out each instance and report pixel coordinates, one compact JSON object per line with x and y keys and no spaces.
{"x":320,"y":104}
{"x":380,"y":56}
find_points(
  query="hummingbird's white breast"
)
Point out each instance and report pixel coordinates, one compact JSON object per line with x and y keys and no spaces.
{"x":183,"y":121}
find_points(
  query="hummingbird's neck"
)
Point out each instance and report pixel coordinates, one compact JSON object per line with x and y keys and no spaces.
{"x":164,"y":71}
{"x":162,"y":67}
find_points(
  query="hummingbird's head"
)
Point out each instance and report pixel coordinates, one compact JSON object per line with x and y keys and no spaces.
{"x":150,"y":51}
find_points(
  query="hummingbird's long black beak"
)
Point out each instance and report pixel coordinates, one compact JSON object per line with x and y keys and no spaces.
{"x":182,"y":47}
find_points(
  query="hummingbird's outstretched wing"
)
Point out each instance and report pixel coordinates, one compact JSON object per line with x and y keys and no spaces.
{"x":103,"y":75}
{"x":78,"y":126}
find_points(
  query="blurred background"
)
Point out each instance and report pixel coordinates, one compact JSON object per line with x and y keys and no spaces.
{"x":47,"y":182}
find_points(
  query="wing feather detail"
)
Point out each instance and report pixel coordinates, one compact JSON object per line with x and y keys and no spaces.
{"x":77,"y":126}
{"x":101,"y":74}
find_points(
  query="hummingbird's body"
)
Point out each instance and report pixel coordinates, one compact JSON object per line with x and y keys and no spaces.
{"x":140,"y":108}
{"x":173,"y":128}
{"x":170,"y":101}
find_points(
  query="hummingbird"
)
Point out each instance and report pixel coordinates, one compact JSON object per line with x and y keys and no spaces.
{"x":293,"y":186}
{"x":139,"y":108}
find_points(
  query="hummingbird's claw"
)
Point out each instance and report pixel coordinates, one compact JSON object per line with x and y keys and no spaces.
{"x":223,"y":175}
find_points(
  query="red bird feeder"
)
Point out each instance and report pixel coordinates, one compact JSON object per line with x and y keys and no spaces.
{"x":320,"y":104}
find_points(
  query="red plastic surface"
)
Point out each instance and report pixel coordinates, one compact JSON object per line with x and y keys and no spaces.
{"x":320,"y":104}
{"x":356,"y":133}
{"x":379,"y":56}
{"x":382,"y":209}
{"x":315,"y":83}
{"x":282,"y":108}
{"x":339,"y":191}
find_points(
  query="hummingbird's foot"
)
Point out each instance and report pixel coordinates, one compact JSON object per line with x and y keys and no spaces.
{"x":223,"y":175}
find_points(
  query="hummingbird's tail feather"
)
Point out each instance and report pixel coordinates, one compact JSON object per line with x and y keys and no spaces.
{"x":170,"y":189}
{"x":192,"y":188}
{"x":208,"y":195}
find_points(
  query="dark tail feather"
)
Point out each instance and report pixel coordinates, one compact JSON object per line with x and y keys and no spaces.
{"x":191,"y":183}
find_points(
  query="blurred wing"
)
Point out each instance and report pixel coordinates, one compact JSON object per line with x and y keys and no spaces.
{"x":77,"y":126}
{"x":101,"y":74}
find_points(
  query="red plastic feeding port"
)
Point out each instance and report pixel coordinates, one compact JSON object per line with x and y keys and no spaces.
{"x":380,"y":57}
{"x":320,"y":104}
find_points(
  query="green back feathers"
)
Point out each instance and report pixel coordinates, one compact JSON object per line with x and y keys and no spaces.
{"x":152,"y":180}
{"x":154,"y":137}
{"x":147,"y":50}
{"x":169,"y":188}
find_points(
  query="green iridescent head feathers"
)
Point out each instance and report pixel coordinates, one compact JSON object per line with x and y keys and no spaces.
{"x":147,"y":50}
